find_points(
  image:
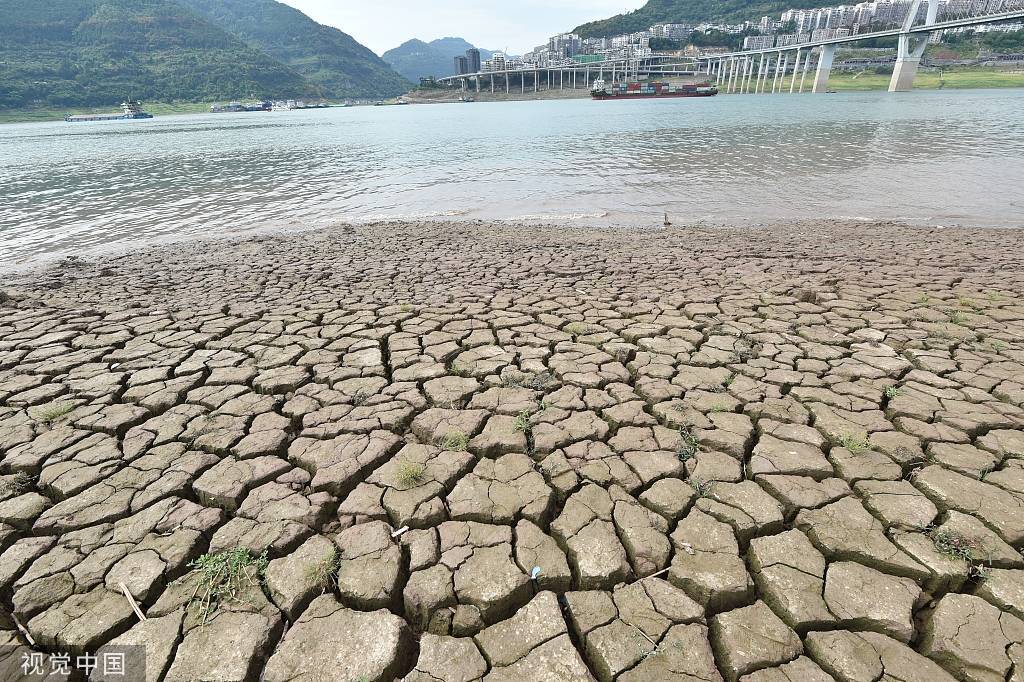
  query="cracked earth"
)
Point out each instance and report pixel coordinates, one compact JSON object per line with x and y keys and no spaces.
{"x":783,"y":454}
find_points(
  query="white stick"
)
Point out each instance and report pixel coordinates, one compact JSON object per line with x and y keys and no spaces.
{"x":131,"y":600}
{"x":399,"y":531}
{"x":25,"y":632}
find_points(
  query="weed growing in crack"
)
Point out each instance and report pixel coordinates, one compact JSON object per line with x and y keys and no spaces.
{"x":47,"y":414}
{"x":702,"y":488}
{"x":688,"y":446}
{"x":728,"y":380}
{"x":360,"y":397}
{"x":955,"y":316}
{"x":458,"y":371}
{"x":224,"y":578}
{"x":576,"y":329}
{"x":455,"y":441}
{"x":410,"y":474}
{"x":324,"y":573}
{"x":924,"y":299}
{"x":18,"y":484}
{"x":892,"y":392}
{"x":522,"y":422}
{"x":857,"y":444}
{"x":720,"y":408}
{"x":959,"y":547}
{"x":997,"y":345}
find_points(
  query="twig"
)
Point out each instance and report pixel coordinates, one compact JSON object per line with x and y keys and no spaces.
{"x":654,"y":575}
{"x":25,"y":632}
{"x":400,"y":531}
{"x":131,"y":600}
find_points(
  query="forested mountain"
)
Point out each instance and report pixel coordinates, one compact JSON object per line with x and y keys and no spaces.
{"x":416,"y":59}
{"x":75,"y":53}
{"x":690,"y":12}
{"x":323,"y":55}
{"x":65,"y":53}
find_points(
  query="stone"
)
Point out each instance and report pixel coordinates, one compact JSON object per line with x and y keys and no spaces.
{"x":553,"y":661}
{"x":707,"y":564}
{"x":506,"y":642}
{"x":292,"y":580}
{"x":447,"y":659}
{"x":232,"y":646}
{"x":865,"y":599}
{"x":790,"y":574}
{"x":868,"y":656}
{"x":369,"y":569}
{"x":751,"y":638}
{"x":329,"y":638}
{"x":972,"y":639}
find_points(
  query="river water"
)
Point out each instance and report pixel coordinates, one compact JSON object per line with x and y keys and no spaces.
{"x":934,"y":157}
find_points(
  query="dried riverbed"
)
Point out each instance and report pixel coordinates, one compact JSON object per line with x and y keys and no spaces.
{"x":790,"y":453}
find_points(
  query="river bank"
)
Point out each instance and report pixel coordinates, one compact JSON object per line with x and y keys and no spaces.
{"x":430,"y":451}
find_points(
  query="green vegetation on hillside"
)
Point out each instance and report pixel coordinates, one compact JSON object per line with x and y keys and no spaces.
{"x":961,"y":78}
{"x":325,"y":56}
{"x":73,"y":53}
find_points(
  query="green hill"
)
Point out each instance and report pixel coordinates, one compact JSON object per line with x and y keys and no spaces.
{"x":690,"y":12}
{"x":68,"y":53}
{"x":416,"y":59}
{"x":325,"y":56}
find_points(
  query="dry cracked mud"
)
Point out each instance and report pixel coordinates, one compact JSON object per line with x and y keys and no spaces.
{"x":447,"y":453}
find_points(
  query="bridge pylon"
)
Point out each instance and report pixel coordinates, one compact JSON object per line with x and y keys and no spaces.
{"x":908,"y":55}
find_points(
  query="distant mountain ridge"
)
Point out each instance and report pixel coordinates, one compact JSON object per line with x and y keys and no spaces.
{"x":325,"y":56}
{"x":689,"y":12}
{"x":77,"y":53}
{"x":415,"y":59}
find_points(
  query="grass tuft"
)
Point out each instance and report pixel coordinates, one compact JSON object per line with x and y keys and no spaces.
{"x":703,"y":488}
{"x":455,"y":441}
{"x":410,"y":474}
{"x":224,"y":578}
{"x":48,"y":414}
{"x":893,"y":392}
{"x":324,"y":573}
{"x":522,"y":422}
{"x":688,"y":445}
{"x":956,"y":316}
{"x":856,"y":444}
{"x":959,"y":547}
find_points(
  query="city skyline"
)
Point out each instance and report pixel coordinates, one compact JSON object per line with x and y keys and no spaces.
{"x":512,"y":28}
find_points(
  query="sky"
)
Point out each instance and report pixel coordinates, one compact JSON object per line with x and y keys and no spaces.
{"x":517,"y":27}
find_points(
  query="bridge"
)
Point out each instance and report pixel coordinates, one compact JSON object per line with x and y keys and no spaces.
{"x":744,"y":71}
{"x":736,"y":71}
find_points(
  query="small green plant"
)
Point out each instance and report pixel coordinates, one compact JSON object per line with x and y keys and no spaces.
{"x":955,"y":316}
{"x":892,"y":392}
{"x":360,"y":397}
{"x":702,"y":488}
{"x":410,"y":474}
{"x":53,"y":412}
{"x":993,"y":296}
{"x":856,"y":444}
{"x":728,"y":380}
{"x":688,"y":446}
{"x":924,"y":299}
{"x":324,"y":573}
{"x":515,"y":380}
{"x":18,"y":484}
{"x":455,"y":441}
{"x":957,"y":546}
{"x":997,"y":345}
{"x":576,"y":329}
{"x":718,"y":407}
{"x":522,"y":422}
{"x":224,"y":577}
{"x":405,"y":308}
{"x":967,"y":303}
{"x":458,"y":371}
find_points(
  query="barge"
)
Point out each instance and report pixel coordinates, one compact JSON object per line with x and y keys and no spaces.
{"x":130,"y":111}
{"x":651,"y":89}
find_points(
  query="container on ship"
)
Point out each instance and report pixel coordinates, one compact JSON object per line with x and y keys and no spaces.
{"x":643,"y":89}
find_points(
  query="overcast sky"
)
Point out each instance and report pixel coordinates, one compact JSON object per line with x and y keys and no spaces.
{"x":516,"y":26}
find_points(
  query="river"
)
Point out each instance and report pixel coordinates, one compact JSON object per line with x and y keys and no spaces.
{"x":932,"y":157}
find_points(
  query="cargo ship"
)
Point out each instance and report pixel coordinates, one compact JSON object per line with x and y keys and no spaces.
{"x":130,"y":111}
{"x":644,"y":89}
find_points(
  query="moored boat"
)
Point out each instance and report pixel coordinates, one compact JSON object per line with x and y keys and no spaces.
{"x":129,"y":111}
{"x":650,"y":89}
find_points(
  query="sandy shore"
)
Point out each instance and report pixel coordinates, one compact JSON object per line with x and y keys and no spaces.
{"x":459,"y":452}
